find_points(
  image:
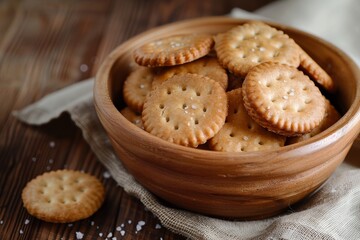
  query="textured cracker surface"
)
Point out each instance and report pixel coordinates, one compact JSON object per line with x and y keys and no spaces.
{"x":250,"y":44}
{"x":240,"y":132}
{"x":63,"y":196}
{"x":283,"y":99}
{"x":187,"y":109}
{"x":174,"y":50}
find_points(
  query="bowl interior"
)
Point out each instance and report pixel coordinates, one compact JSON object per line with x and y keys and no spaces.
{"x":325,"y":54}
{"x":210,"y":182}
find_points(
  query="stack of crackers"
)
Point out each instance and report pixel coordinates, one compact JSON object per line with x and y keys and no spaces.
{"x":250,"y":88}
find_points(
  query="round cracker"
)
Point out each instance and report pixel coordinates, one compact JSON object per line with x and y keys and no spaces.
{"x":331,"y":117}
{"x":187,"y":109}
{"x":240,"y":132}
{"x":136,"y":86}
{"x":250,"y":44}
{"x":282,"y":99}
{"x":316,"y":73}
{"x":206,"y":66}
{"x":132,"y":116}
{"x":63,"y":196}
{"x":174,"y":50}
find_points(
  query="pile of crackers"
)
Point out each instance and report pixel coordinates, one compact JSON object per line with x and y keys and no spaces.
{"x":250,"y":88}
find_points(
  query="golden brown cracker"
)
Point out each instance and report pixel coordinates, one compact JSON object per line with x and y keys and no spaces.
{"x":283,"y":99}
{"x":132,"y":116}
{"x":206,"y":66}
{"x":174,"y":50}
{"x":331,"y":117}
{"x":240,"y":132}
{"x":136,"y":86}
{"x":316,"y":73}
{"x":250,"y":44}
{"x":63,"y":196}
{"x":186,"y":109}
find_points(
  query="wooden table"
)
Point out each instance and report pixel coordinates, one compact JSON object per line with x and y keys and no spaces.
{"x":45,"y":46}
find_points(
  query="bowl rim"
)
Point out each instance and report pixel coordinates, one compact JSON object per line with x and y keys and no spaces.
{"x":103,"y":103}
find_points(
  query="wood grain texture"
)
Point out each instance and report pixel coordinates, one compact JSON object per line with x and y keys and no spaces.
{"x":42,"y":47}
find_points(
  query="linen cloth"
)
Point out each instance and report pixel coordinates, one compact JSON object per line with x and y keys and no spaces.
{"x":332,"y":213}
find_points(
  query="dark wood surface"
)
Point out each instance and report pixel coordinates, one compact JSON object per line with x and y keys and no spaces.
{"x":45,"y":46}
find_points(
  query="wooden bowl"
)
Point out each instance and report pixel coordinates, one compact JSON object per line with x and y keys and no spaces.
{"x":238,"y":185}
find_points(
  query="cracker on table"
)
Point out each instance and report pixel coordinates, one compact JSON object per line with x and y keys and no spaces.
{"x":331,"y":117}
{"x":174,"y":50}
{"x":132,"y":116}
{"x":250,"y":44}
{"x":186,"y":109}
{"x":283,"y":99}
{"x":240,"y":132}
{"x":63,"y":196}
{"x":316,"y":72}
{"x":206,"y":66}
{"x":136,"y":86}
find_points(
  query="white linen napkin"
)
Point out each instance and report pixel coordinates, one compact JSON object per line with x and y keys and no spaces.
{"x":332,"y":213}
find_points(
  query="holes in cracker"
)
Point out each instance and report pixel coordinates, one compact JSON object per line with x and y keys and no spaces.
{"x":236,"y":110}
{"x":232,"y":134}
{"x":168,"y":91}
{"x":198,"y":94}
{"x":183,"y":88}
{"x":261,"y":143}
{"x":161,"y":106}
{"x":250,"y":126}
{"x":268,"y":84}
{"x":176,"y":127}
{"x":185,"y":106}
{"x":167,"y":119}
{"x":204,"y":109}
{"x":196,"y":121}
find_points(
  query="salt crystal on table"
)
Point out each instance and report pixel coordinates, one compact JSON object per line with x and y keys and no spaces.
{"x":33,"y":159}
{"x":157,"y":226}
{"x":84,"y":67}
{"x":1,"y":222}
{"x":109,"y":235}
{"x":92,"y":223}
{"x":27,"y":221}
{"x":118,"y":229}
{"x":122,"y":232}
{"x":129,"y":221}
{"x":52,"y":144}
{"x":122,"y":225}
{"x":51,"y":161}
{"x":106,"y":174}
{"x":141,"y":223}
{"x":79,"y":235}
{"x":101,"y":234}
{"x":114,"y":238}
{"x":70,"y":225}
{"x":21,"y":231}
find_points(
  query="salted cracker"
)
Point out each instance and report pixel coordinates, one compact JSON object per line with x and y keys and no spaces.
{"x":63,"y":196}
{"x":250,"y":44}
{"x":240,"y":132}
{"x":331,"y":117}
{"x":206,"y":66}
{"x":186,"y":109}
{"x":132,"y":116}
{"x":136,"y":86}
{"x":174,"y":50}
{"x":282,"y":99}
{"x":316,"y":72}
